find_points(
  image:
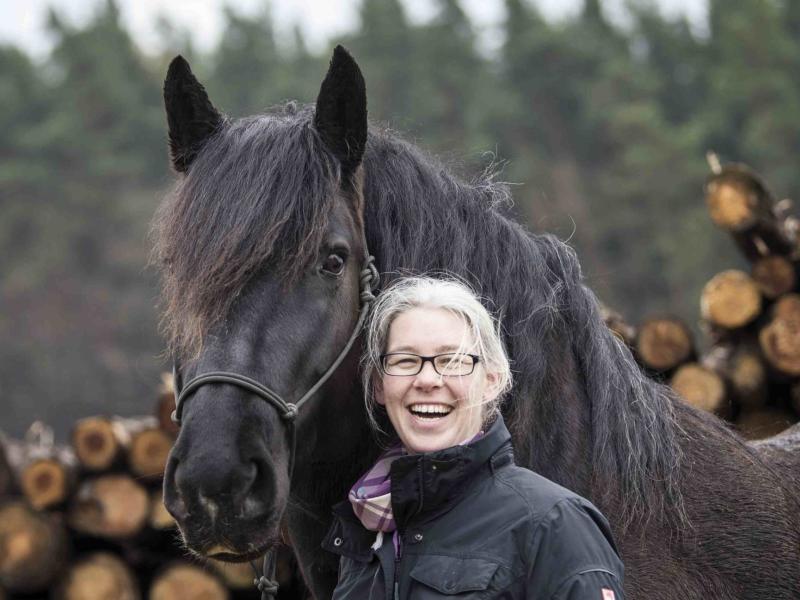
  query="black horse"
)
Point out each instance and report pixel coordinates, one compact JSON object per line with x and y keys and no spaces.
{"x":261,"y":247}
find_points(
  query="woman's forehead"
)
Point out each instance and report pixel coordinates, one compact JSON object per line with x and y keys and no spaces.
{"x":435,"y":329}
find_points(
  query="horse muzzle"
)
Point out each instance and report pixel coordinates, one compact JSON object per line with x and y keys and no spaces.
{"x":227,"y":508}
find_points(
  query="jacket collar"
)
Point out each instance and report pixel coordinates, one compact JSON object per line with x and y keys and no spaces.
{"x":426,"y":485}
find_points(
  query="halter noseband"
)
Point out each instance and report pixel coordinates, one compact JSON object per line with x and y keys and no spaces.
{"x":288,"y":411}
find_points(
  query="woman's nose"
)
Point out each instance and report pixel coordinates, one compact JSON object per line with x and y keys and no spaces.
{"x":428,"y":375}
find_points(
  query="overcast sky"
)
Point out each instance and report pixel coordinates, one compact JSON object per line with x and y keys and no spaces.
{"x":22,"y":21}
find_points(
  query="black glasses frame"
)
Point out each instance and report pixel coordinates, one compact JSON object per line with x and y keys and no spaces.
{"x":432,"y":359}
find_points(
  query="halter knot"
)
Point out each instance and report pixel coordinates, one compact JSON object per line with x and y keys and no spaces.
{"x":291,"y":412}
{"x":369,"y":280}
{"x":266,"y":586}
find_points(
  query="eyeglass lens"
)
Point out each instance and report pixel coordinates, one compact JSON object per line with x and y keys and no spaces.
{"x":443,"y":364}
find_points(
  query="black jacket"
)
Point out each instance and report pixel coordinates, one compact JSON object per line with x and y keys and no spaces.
{"x":475,"y":525}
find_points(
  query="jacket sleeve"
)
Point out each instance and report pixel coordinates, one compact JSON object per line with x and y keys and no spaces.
{"x":573,"y":555}
{"x":590,"y":585}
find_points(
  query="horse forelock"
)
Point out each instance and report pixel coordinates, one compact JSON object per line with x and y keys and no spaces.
{"x":421,"y":218}
{"x":259,"y":194}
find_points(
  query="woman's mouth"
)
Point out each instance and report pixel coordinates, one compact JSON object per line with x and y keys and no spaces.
{"x":430,"y":411}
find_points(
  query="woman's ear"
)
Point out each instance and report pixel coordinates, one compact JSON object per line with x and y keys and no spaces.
{"x":492,"y":389}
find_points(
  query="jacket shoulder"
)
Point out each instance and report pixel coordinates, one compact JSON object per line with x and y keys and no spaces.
{"x":539,"y":494}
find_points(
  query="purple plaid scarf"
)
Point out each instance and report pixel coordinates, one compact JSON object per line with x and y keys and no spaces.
{"x":371,"y":496}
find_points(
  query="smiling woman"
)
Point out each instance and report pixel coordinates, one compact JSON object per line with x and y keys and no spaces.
{"x":435,"y":362}
{"x":460,"y":517}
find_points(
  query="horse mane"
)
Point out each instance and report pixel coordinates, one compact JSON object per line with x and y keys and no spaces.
{"x":420,"y":217}
{"x":259,"y":195}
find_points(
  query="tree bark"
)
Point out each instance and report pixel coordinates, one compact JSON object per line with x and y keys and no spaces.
{"x":743,"y":367}
{"x":775,"y":275}
{"x":740,"y":203}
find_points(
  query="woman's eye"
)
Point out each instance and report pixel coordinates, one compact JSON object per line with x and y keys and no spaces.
{"x":333,"y":264}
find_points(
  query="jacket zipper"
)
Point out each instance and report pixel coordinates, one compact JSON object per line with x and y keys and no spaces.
{"x":398,"y":554}
{"x":396,"y":586}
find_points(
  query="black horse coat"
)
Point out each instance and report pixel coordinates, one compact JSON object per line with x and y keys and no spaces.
{"x":475,"y":525}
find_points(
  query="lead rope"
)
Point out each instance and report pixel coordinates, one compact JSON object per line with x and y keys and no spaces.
{"x":266,"y":582}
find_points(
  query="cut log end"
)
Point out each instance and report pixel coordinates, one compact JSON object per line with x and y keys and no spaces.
{"x":99,"y":576}
{"x":780,"y":338}
{"x":730,"y":300}
{"x":702,"y":388}
{"x":748,"y":377}
{"x":159,"y":518}
{"x":33,"y":547}
{"x":111,"y":506}
{"x":774,"y":275}
{"x":187,"y":582}
{"x":95,"y":443}
{"x":731,"y":205}
{"x":237,"y":576}
{"x":45,"y":483}
{"x":664,"y":343}
{"x":149,"y":451}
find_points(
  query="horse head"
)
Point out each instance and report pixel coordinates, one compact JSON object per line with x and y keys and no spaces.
{"x":262,"y":252}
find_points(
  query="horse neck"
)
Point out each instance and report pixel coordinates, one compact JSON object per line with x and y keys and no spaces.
{"x":550,"y":422}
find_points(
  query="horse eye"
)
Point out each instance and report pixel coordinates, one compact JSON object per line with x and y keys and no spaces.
{"x":333,"y":264}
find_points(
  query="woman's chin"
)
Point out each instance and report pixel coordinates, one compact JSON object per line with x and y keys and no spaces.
{"x":418,"y":442}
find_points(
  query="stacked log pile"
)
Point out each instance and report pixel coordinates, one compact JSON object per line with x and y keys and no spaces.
{"x":86,"y":521}
{"x":750,"y":371}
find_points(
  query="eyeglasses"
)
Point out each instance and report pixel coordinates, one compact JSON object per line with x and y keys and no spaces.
{"x":448,"y":365}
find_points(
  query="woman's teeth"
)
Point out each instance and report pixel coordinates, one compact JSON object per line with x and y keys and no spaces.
{"x":430,"y":411}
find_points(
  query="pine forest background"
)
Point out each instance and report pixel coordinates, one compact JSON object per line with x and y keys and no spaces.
{"x":601,"y":127}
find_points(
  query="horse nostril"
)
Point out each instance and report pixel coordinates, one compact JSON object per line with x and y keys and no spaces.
{"x":248,"y":477}
{"x":257,"y":489}
{"x":173,"y":499}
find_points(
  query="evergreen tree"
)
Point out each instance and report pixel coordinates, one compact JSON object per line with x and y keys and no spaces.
{"x":676,"y":59}
{"x":246,"y":78}
{"x":754,"y":101}
{"x":385,"y":44}
{"x":453,"y":85}
{"x":108,"y":115}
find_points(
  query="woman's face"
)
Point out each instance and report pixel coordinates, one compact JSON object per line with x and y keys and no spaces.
{"x":428,"y":411}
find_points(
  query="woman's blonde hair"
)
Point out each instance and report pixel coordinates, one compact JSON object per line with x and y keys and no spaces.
{"x":446,"y":293}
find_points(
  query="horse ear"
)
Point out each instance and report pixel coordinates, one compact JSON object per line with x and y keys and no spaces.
{"x":190,"y":115}
{"x":341,"y":114}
